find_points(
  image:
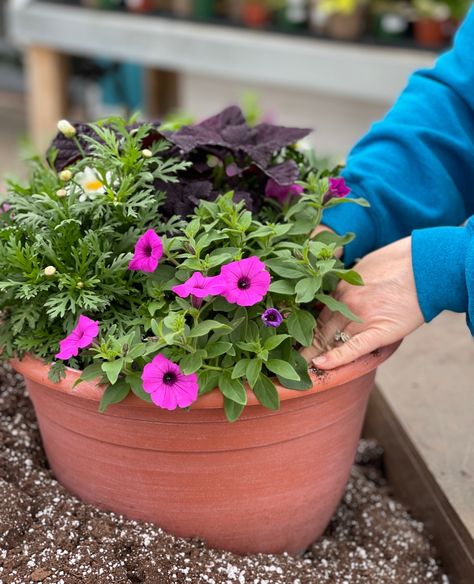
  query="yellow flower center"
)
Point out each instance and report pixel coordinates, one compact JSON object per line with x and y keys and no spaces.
{"x":93,"y":185}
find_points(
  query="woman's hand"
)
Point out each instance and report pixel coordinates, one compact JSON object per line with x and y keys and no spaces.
{"x":387,"y":305}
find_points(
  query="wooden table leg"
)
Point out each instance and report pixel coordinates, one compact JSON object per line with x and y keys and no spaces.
{"x":46,"y":78}
{"x":162,"y":92}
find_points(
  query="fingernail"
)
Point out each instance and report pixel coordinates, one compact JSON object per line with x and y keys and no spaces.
{"x":319,"y":361}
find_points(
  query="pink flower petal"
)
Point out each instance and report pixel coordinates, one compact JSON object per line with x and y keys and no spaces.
{"x":148,"y":252}
{"x":82,"y":336}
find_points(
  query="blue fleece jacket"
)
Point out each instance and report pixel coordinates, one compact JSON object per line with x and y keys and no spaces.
{"x":416,"y":168}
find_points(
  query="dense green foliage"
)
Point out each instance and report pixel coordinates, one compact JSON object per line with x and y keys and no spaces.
{"x":62,"y":255}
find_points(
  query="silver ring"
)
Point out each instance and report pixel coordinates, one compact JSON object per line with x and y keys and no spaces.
{"x":342,"y":337}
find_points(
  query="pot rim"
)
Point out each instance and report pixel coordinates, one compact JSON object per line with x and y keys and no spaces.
{"x":34,"y":369}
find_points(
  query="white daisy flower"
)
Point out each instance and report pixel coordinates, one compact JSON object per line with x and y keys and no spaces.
{"x":91,"y":184}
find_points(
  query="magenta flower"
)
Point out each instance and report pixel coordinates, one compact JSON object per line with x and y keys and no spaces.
{"x":337,"y":188}
{"x":80,"y":338}
{"x":272,"y":317}
{"x":200,"y":286}
{"x":5,"y":207}
{"x":168,"y":386}
{"x":281,"y":193}
{"x":147,"y":253}
{"x":246,"y":281}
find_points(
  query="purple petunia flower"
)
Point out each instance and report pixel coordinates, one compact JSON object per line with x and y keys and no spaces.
{"x":148,"y":251}
{"x":80,"y":338}
{"x":272,"y":317}
{"x":337,"y":188}
{"x":167,"y":385}
{"x":281,"y":192}
{"x":246,"y":281}
{"x":200,"y":286}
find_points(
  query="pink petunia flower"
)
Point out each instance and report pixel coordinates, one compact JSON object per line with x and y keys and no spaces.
{"x":168,"y":386}
{"x":246,"y":281}
{"x":80,"y":338}
{"x":281,"y":192}
{"x":200,"y":286}
{"x":338,"y":187}
{"x":147,"y":253}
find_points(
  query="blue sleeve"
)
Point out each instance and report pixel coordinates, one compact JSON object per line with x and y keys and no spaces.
{"x":443,"y":265}
{"x":416,"y":167}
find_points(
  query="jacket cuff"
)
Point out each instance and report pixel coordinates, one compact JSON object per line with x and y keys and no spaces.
{"x":439,"y":265}
{"x":350,"y":217}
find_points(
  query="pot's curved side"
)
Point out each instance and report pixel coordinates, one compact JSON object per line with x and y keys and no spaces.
{"x":268,"y":483}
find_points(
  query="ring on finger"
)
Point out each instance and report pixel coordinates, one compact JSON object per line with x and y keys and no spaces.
{"x":342,"y":337}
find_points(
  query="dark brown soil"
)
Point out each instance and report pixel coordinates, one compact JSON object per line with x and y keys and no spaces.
{"x":46,"y":535}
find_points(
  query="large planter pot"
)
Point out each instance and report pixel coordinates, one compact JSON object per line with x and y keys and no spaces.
{"x":267,"y":483}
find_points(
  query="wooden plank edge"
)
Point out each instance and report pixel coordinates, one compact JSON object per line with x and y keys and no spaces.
{"x":417,"y":488}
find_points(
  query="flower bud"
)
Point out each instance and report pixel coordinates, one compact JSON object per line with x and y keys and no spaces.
{"x":65,"y":175}
{"x":61,"y":193}
{"x":147,"y":153}
{"x":80,"y":285}
{"x":66,"y":128}
{"x":49,"y":271}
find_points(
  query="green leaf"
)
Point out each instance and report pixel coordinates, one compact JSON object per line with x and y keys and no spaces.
{"x":218,"y":348}
{"x":266,"y":393}
{"x":57,"y":371}
{"x":232,"y":409}
{"x":282,"y":368}
{"x":135,"y":382}
{"x":232,"y":388}
{"x":240,"y":368}
{"x":90,"y":373}
{"x":191,"y":363}
{"x":273,"y":342}
{"x":301,"y":367}
{"x":253,"y":371}
{"x":282,"y":287}
{"x":306,"y":289}
{"x":285,"y":268}
{"x":208,"y":380}
{"x":112,"y":370}
{"x":300,"y":324}
{"x":328,"y":237}
{"x":203,"y":328}
{"x":337,"y":306}
{"x":113,"y":395}
{"x":350,"y":276}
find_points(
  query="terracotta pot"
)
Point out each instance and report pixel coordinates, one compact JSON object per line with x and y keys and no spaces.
{"x":267,"y":483}
{"x":429,"y":33}
{"x":255,"y":14}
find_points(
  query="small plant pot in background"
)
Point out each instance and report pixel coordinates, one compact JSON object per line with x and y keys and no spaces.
{"x":182,"y":8}
{"x":429,"y":33}
{"x":255,"y":14}
{"x":268,"y":483}
{"x":346,"y":26}
{"x":390,"y":26}
{"x":293,"y":15}
{"x":235,"y":10}
{"x":204,"y":9}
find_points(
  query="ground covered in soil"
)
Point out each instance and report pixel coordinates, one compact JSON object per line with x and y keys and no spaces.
{"x":47,"y":535}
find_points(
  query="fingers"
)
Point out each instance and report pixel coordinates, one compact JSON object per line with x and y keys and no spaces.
{"x":328,"y":323}
{"x":357,"y":346}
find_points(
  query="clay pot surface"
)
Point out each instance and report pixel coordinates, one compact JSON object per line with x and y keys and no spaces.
{"x":269,"y":482}
{"x":429,"y":33}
